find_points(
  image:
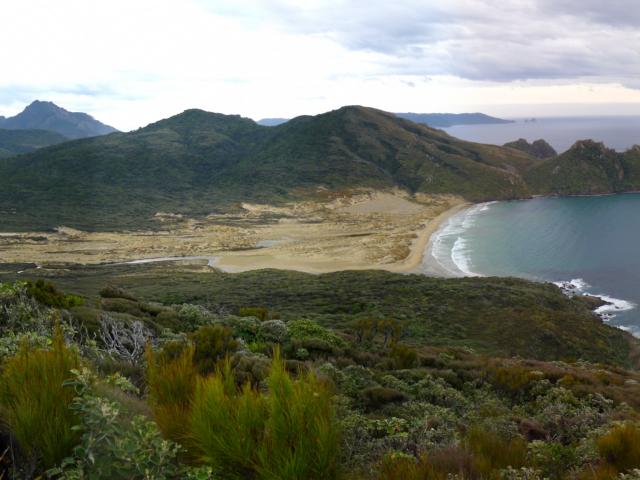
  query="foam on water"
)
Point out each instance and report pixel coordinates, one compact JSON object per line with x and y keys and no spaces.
{"x":578,"y":286}
{"x":450,"y":247}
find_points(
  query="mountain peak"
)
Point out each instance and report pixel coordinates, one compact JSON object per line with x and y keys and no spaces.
{"x":46,"y":115}
{"x":538,"y":149}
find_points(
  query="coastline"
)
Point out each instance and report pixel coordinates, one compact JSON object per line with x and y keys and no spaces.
{"x":318,"y":264}
{"x":421,"y":248}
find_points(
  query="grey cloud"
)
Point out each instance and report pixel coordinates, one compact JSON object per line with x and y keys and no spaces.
{"x":494,"y":40}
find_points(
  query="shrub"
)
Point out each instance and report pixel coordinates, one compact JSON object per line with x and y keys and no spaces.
{"x":302,"y":438}
{"x":193,"y":316}
{"x":35,"y":402}
{"x":228,"y":426}
{"x":111,"y":291}
{"x":212,"y":344}
{"x":291,"y":433}
{"x":245,"y":328}
{"x":620,"y":447}
{"x":376,"y":397}
{"x":403,"y":356}
{"x":308,"y":330}
{"x":274,"y":331}
{"x":122,"y":305}
{"x":260,"y":313}
{"x":47,"y":294}
{"x":492,"y":452}
{"x":115,"y":447}
{"x":172,"y":382}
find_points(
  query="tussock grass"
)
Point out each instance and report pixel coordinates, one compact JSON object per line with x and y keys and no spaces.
{"x":34,"y":402}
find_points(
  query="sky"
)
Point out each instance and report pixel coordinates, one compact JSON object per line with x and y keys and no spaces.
{"x":132,"y":62}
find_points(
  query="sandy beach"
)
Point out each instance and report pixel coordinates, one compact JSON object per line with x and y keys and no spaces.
{"x":365,"y":230}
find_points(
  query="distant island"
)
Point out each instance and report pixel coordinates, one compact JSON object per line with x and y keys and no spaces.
{"x":443,"y":120}
{"x":436,"y":120}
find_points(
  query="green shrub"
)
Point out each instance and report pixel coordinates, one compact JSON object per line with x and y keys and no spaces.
{"x":212,"y":344}
{"x":227,"y":425}
{"x":260,"y":313}
{"x":111,"y":291}
{"x":553,"y":460}
{"x":302,"y":438}
{"x":308,"y":331}
{"x":122,"y":305}
{"x":113,"y":447}
{"x":171,"y":382}
{"x":376,"y":397}
{"x":620,"y":447}
{"x":274,"y":331}
{"x":34,"y":402}
{"x":47,"y":294}
{"x":193,"y":316}
{"x":403,"y":356}
{"x":291,"y":433}
{"x":492,"y":452}
{"x":87,"y":317}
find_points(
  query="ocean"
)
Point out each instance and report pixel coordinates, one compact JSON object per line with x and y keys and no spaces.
{"x":619,"y":133}
{"x":590,"y":245}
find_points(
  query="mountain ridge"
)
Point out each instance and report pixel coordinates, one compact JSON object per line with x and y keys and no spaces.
{"x":15,"y":142}
{"x":196,"y":163}
{"x":44,"y":115}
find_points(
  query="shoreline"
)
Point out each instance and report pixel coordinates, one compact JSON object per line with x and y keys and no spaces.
{"x":409,"y":264}
{"x":421,"y":247}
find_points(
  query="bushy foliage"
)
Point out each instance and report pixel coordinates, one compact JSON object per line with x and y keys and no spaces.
{"x":172,"y":382}
{"x":403,"y":356}
{"x":492,"y":452}
{"x":274,"y":331}
{"x":114,"y":447}
{"x":227,"y":425}
{"x":288,"y":434}
{"x":34,"y":401}
{"x":47,"y":294}
{"x":620,"y":447}
{"x":212,"y":343}
{"x":260,"y":313}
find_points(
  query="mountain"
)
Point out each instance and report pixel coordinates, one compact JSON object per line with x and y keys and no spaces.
{"x":587,"y":168}
{"x":272,"y":122}
{"x":14,"y":142}
{"x":443,"y":120}
{"x":538,"y":149}
{"x":198,"y":162}
{"x":435,"y":120}
{"x":48,"y":116}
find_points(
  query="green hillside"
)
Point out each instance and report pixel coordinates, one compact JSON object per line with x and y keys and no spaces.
{"x":587,"y":168}
{"x":538,"y":148}
{"x":198,"y":162}
{"x":354,"y":375}
{"x":15,"y":142}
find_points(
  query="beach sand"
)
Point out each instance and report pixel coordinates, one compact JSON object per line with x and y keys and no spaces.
{"x":364,"y":230}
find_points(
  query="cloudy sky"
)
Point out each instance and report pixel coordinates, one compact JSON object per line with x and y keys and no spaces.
{"x":130,"y":62}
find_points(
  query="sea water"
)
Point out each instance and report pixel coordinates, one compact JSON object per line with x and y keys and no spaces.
{"x":619,"y":133}
{"x":588,"y":245}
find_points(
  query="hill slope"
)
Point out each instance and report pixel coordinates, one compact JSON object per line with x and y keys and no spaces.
{"x":538,"y":148}
{"x":587,"y":168}
{"x":48,"y":116}
{"x":197,"y":162}
{"x":14,"y":142}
